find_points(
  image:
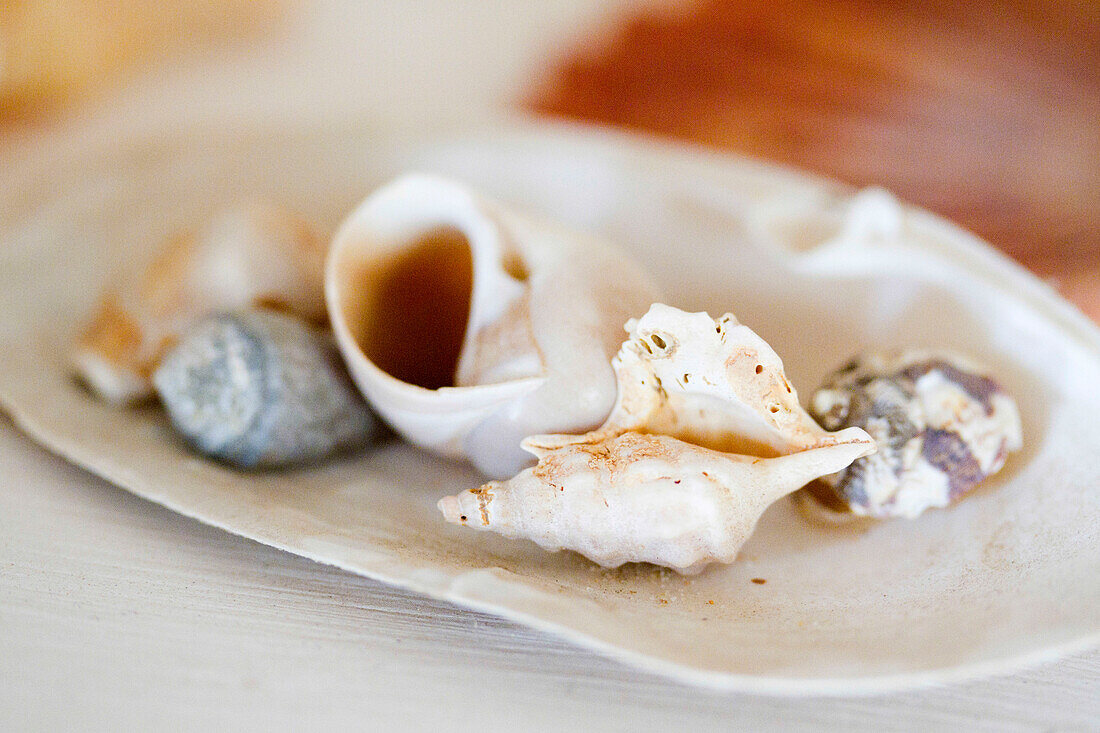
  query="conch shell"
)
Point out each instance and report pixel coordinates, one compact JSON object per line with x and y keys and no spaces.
{"x":469,"y":326}
{"x":650,"y":485}
{"x":255,"y":254}
{"x":645,"y":498}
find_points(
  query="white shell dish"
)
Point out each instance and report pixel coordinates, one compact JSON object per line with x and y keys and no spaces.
{"x":469,"y":326}
{"x":1008,"y":576}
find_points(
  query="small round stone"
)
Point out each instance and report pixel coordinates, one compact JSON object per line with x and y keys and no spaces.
{"x":941,"y":424}
{"x":261,"y":389}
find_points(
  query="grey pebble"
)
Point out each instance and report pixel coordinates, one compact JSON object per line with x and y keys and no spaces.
{"x":261,"y":389}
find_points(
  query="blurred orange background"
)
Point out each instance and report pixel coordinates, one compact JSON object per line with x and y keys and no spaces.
{"x":60,"y":50}
{"x":986,"y":113}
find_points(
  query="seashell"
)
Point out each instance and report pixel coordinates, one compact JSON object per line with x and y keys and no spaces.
{"x":941,"y":424}
{"x":469,"y":326}
{"x":251,"y":255}
{"x":650,"y":485}
{"x":710,"y":382}
{"x":260,"y":388}
{"x":645,"y":498}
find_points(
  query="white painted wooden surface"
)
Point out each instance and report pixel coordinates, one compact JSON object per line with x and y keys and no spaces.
{"x":116,"y":614}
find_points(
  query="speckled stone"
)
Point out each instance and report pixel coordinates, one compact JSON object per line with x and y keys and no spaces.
{"x":942,"y":426}
{"x":261,"y":389}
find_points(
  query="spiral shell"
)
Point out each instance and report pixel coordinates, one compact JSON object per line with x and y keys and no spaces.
{"x":254,"y":254}
{"x":469,"y":326}
{"x":942,"y":424}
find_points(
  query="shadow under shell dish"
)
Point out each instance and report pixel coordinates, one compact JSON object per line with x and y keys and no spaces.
{"x":262,"y":389}
{"x":469,"y":326}
{"x":942,"y":426}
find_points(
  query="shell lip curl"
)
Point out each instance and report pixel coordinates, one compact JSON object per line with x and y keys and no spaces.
{"x":411,"y":211}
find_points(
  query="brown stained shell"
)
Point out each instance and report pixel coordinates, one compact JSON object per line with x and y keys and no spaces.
{"x":942,"y":426}
{"x":251,"y":255}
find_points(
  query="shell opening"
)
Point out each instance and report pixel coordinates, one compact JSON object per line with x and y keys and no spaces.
{"x":427,"y":289}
